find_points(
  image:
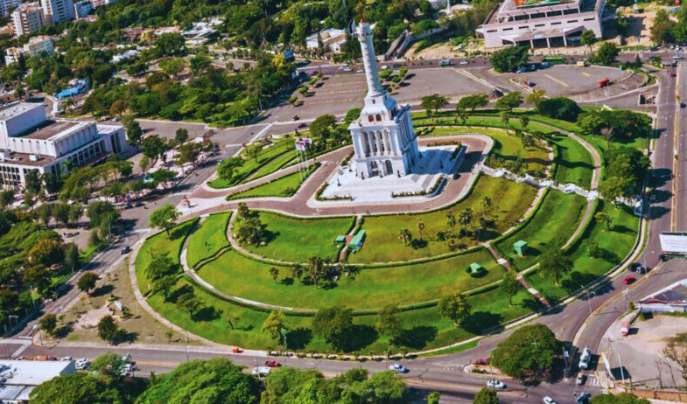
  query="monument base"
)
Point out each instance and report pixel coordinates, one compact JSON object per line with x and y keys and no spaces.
{"x":429,"y":175}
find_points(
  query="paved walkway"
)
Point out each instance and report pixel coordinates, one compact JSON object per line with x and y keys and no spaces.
{"x":300,"y":205}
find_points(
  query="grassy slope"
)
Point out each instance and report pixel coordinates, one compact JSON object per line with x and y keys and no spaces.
{"x":369,"y":289}
{"x":509,"y":201}
{"x":296,"y":239}
{"x":208,"y":238}
{"x":617,"y":243}
{"x":283,"y":187}
{"x":553,"y":223}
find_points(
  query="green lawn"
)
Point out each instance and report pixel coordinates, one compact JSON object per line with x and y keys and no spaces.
{"x":574,"y":163}
{"x":161,"y":243}
{"x":509,"y":199}
{"x":296,"y":239}
{"x":553,"y":223}
{"x":250,"y":166}
{"x":208,"y":238}
{"x":616,"y":243}
{"x":274,"y":165}
{"x":371,"y":288}
{"x":283,"y":187}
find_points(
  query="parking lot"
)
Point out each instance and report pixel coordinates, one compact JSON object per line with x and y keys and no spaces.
{"x":641,"y":352}
{"x":558,"y":80}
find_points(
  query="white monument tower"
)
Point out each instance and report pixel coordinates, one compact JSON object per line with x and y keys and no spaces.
{"x":383,"y":137}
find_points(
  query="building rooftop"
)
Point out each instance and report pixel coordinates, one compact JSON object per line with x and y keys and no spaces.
{"x":53,"y":128}
{"x":675,"y":294}
{"x":32,"y":373}
{"x":8,"y":111}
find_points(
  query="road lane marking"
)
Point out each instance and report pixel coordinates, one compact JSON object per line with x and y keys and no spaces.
{"x":559,"y":81}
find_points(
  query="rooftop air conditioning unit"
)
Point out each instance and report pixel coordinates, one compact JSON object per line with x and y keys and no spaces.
{"x":33,"y":157}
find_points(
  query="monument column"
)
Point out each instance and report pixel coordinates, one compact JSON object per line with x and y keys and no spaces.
{"x":374,"y":85}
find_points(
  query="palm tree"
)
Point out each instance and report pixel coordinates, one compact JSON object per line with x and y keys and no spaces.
{"x":406,"y":236}
{"x":465,"y":217}
{"x":535,"y":97}
{"x":420,"y":227}
{"x":451,"y":220}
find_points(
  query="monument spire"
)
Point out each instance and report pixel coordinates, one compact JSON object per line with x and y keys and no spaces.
{"x":374,"y":85}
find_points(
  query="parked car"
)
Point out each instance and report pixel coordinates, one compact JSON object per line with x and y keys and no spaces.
{"x":271,"y":363}
{"x":583,"y":398}
{"x":625,"y":328}
{"x":585,"y":358}
{"x":445,"y":62}
{"x":629,"y":280}
{"x":496,"y":384}
{"x":126,"y":250}
{"x":638,"y":268}
{"x":236,"y":349}
{"x":464,"y":62}
{"x":580,"y":379}
{"x":398,"y":368}
{"x":82,"y":364}
{"x":549,"y":400}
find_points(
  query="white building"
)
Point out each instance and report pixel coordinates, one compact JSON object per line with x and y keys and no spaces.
{"x":30,"y":141}
{"x":7,"y":5}
{"x":57,"y":11}
{"x":27,"y":19}
{"x":538,"y":23}
{"x":20,"y":377}
{"x":332,"y":40}
{"x":672,"y":299}
{"x":100,"y":3}
{"x":126,"y":55}
{"x":39,"y":45}
{"x":383,"y":137}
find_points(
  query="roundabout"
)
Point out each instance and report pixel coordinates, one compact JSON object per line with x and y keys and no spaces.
{"x":407,"y":240}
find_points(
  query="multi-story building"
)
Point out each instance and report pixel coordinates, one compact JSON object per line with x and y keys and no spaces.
{"x":27,"y":18}
{"x":57,"y":11}
{"x":100,"y":3}
{"x":6,"y":6}
{"x":40,"y":45}
{"x":30,"y":141}
{"x":539,"y":23}
{"x":83,"y":8}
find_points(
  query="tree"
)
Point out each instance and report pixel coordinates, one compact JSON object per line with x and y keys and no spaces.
{"x":87,"y":282}
{"x":274,"y":326}
{"x":322,"y":125}
{"x":662,"y":30}
{"x":227,"y":168}
{"x":72,"y":258}
{"x":46,"y":252}
{"x":454,"y":307}
{"x":605,"y":219}
{"x":528,"y":354}
{"x":559,"y":108}
{"x":109,"y":366}
{"x":389,"y":323}
{"x":472,"y":102}
{"x":509,"y":101}
{"x":160,"y":265}
{"x":606,"y":54}
{"x":405,"y":236}
{"x":620,"y":398}
{"x":253,"y":151}
{"x":510,"y":286}
{"x":181,"y":136}
{"x":334,"y":325}
{"x":164,"y":217}
{"x":274,"y":271}
{"x":588,"y":39}
{"x":48,"y":324}
{"x":102,"y":215}
{"x":465,"y":217}
{"x":170,"y":44}
{"x":509,"y":59}
{"x":60,"y":211}
{"x":6,"y":198}
{"x":486,"y":396}
{"x":154,"y":147}
{"x":108,"y":330}
{"x":535,"y":97}
{"x":134,"y":133}
{"x":432,"y":103}
{"x":555,"y":264}
{"x":76,"y":388}
{"x":434,"y":397}
{"x":351,"y":115}
{"x":213,"y":381}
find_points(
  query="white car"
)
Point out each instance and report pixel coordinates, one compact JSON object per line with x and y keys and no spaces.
{"x":398,"y":368}
{"x":261,"y":371}
{"x":548,"y":400}
{"x":585,"y":358}
{"x":496,"y":384}
{"x":82,"y":364}
{"x":127,"y":370}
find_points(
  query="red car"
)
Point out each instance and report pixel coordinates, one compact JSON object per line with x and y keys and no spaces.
{"x":629,"y":280}
{"x":236,"y":349}
{"x":272,"y":364}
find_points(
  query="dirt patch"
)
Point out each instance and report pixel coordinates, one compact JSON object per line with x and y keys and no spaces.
{"x":114,"y":296}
